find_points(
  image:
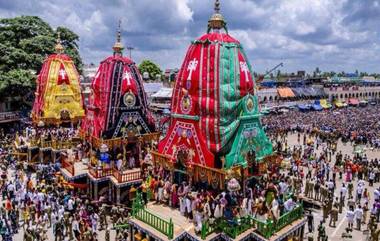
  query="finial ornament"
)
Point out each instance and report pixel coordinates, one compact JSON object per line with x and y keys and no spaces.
{"x":58,"y":47}
{"x":217,"y":22}
{"x":217,"y":6}
{"x":118,"y":46}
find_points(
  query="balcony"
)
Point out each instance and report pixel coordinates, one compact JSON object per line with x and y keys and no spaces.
{"x":120,"y":176}
{"x":54,"y":144}
{"x":127,"y":176}
{"x":100,"y":172}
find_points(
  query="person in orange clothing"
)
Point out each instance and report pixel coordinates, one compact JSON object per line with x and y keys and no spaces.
{"x":8,"y":206}
{"x":354,"y":170}
{"x":30,"y":184}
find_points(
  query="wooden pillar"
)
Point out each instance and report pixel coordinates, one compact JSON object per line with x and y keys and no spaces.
{"x":88,"y":187}
{"x":53,"y":155}
{"x":29,"y":158}
{"x":172,"y":175}
{"x":41,"y":155}
{"x":95,"y":190}
{"x":110,"y":191}
{"x":117,"y":195}
{"x":140,"y":143}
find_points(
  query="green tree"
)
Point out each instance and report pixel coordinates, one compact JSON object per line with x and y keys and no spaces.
{"x":25,"y":42}
{"x":150,"y":67}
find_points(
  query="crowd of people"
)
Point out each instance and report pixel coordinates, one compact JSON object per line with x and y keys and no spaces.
{"x":336,"y":181}
{"x":39,"y":203}
{"x":263,"y":199}
{"x":36,"y":200}
{"x":359,"y":125}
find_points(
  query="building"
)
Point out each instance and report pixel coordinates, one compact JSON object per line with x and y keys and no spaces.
{"x":361,"y":92}
{"x":161,"y":100}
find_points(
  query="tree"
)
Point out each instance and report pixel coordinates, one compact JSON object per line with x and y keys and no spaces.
{"x":25,"y":42}
{"x":150,"y":67}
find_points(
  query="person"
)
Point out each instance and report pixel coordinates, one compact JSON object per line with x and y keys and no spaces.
{"x":350,"y":215}
{"x":375,"y":233}
{"x":131,"y":162}
{"x":119,"y":162}
{"x":311,"y":189}
{"x":58,"y":230}
{"x":102,"y":217}
{"x":317,"y":186}
{"x":289,"y":205}
{"x":310,"y":221}
{"x":70,"y":205}
{"x":28,"y":236}
{"x":350,"y":190}
{"x":325,"y":210}
{"x":341,"y":204}
{"x":371,"y":178}
{"x":358,"y":216}
{"x":376,"y":194}
{"x":321,"y":232}
{"x":107,"y":235}
{"x":359,"y":193}
{"x":76,"y":229}
{"x":307,"y":186}
{"x":330,"y":185}
{"x":333,"y":216}
{"x":365,"y":212}
{"x":188,"y":202}
{"x":343,"y":192}
{"x":323,"y":193}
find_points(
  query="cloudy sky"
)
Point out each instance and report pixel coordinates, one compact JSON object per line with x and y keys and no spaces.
{"x":332,"y":34}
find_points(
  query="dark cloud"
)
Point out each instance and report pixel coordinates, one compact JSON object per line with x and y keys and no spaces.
{"x":332,"y":34}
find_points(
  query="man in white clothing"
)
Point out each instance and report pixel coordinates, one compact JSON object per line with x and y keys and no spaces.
{"x":343,"y":192}
{"x":358,"y":216}
{"x":350,"y":215}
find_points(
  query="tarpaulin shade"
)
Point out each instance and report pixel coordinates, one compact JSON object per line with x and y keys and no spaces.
{"x":163,"y":93}
{"x":285,"y":92}
{"x":339,"y":104}
{"x":317,"y":105}
{"x":325,"y":104}
{"x":308,"y":92}
{"x":299,"y":92}
{"x":269,"y":83}
{"x":353,"y":101}
{"x":303,"y":107}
